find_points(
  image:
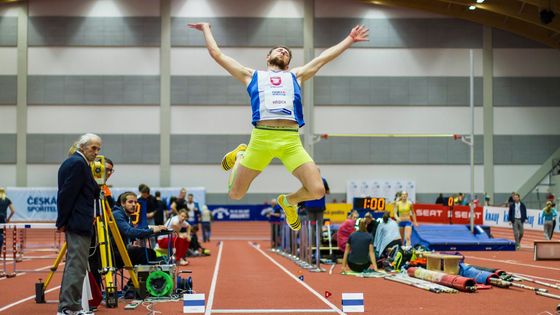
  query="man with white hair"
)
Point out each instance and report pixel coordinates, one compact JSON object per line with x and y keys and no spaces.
{"x":77,"y":191}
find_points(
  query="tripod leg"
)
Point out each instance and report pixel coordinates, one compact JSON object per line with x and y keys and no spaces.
{"x":120,"y":245}
{"x":40,"y":288}
{"x":106,"y":263}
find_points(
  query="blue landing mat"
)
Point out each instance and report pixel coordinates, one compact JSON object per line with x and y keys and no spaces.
{"x":457,"y":237}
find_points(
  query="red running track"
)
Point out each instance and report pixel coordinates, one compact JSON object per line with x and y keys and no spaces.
{"x":249,"y":279}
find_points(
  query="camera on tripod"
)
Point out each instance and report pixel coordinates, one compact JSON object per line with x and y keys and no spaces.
{"x":98,"y":170}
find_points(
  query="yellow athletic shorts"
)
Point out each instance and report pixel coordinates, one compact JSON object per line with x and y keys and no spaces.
{"x":266,"y":144}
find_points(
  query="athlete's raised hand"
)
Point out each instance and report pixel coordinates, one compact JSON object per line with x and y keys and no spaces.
{"x":359,"y":33}
{"x":199,"y":26}
{"x":231,"y":65}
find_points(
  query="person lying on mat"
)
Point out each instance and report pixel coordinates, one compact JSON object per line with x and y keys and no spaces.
{"x":181,"y":240}
{"x":387,"y":235}
{"x":359,"y":254}
{"x":405,"y":211}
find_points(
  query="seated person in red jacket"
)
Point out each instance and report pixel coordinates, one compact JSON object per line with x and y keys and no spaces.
{"x":345,"y":229}
{"x":180,"y":239}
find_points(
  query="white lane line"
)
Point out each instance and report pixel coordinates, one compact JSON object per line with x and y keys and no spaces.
{"x":320,"y":296}
{"x":24,"y":300}
{"x":214,"y":280}
{"x":38,"y":269}
{"x":289,"y":311}
{"x":511,"y":262}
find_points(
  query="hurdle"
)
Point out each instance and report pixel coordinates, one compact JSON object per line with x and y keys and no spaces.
{"x":16,"y":249}
{"x":299,"y":246}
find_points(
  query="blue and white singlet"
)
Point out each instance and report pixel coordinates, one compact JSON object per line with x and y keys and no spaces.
{"x":275,"y":95}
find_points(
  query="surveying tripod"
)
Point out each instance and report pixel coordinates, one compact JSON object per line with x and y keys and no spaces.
{"x":104,"y":221}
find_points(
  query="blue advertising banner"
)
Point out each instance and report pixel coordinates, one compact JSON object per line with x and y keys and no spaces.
{"x":498,"y":216}
{"x":240,"y":212}
{"x":33,"y":204}
{"x":39,"y":204}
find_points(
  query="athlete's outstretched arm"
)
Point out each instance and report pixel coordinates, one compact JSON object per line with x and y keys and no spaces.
{"x":357,"y":34}
{"x":231,"y":65}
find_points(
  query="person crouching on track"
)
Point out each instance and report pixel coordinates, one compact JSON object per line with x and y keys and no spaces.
{"x":404,"y":211}
{"x":181,"y":240}
{"x":359,"y":254}
{"x":138,"y":255}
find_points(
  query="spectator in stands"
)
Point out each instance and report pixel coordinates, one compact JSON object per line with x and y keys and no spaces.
{"x":460,"y":200}
{"x":5,"y":203}
{"x":371,"y":224}
{"x":404,"y":210}
{"x":359,"y":253}
{"x":511,"y":199}
{"x":195,"y":249}
{"x":549,"y":215}
{"x":345,"y":229}
{"x":147,"y":206}
{"x":138,"y":255}
{"x":387,"y":235}
{"x":178,"y":202}
{"x":159,"y":215}
{"x":193,"y":210}
{"x":517,"y":217}
{"x":181,"y":239}
{"x":206,"y":221}
{"x":486,"y":199}
{"x":440,"y":200}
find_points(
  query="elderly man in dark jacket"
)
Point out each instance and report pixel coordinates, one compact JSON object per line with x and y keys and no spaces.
{"x":77,"y":191}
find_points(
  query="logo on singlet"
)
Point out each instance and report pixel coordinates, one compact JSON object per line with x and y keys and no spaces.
{"x":281,"y":111}
{"x":276,"y":80}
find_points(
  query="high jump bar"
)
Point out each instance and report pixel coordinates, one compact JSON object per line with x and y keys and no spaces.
{"x":387,"y":135}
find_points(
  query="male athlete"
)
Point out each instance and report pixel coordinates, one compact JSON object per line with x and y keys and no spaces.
{"x":277,"y":116}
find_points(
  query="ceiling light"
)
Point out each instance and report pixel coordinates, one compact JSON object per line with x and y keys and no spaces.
{"x":472,"y":7}
{"x":479,"y":1}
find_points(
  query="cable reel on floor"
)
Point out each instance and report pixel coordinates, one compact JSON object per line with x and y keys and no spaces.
{"x":184,"y":285}
{"x":159,"y":283}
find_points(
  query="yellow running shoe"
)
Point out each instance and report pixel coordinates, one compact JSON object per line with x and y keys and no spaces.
{"x":229,"y":159}
{"x":292,"y":217}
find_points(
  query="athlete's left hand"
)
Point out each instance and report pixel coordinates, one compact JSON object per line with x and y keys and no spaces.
{"x":359,"y":33}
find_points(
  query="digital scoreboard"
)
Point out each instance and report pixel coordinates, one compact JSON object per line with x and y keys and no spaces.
{"x":369,"y":203}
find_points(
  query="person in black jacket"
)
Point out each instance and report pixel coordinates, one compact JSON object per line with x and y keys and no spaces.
{"x":517,"y":216}
{"x":77,"y":192}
